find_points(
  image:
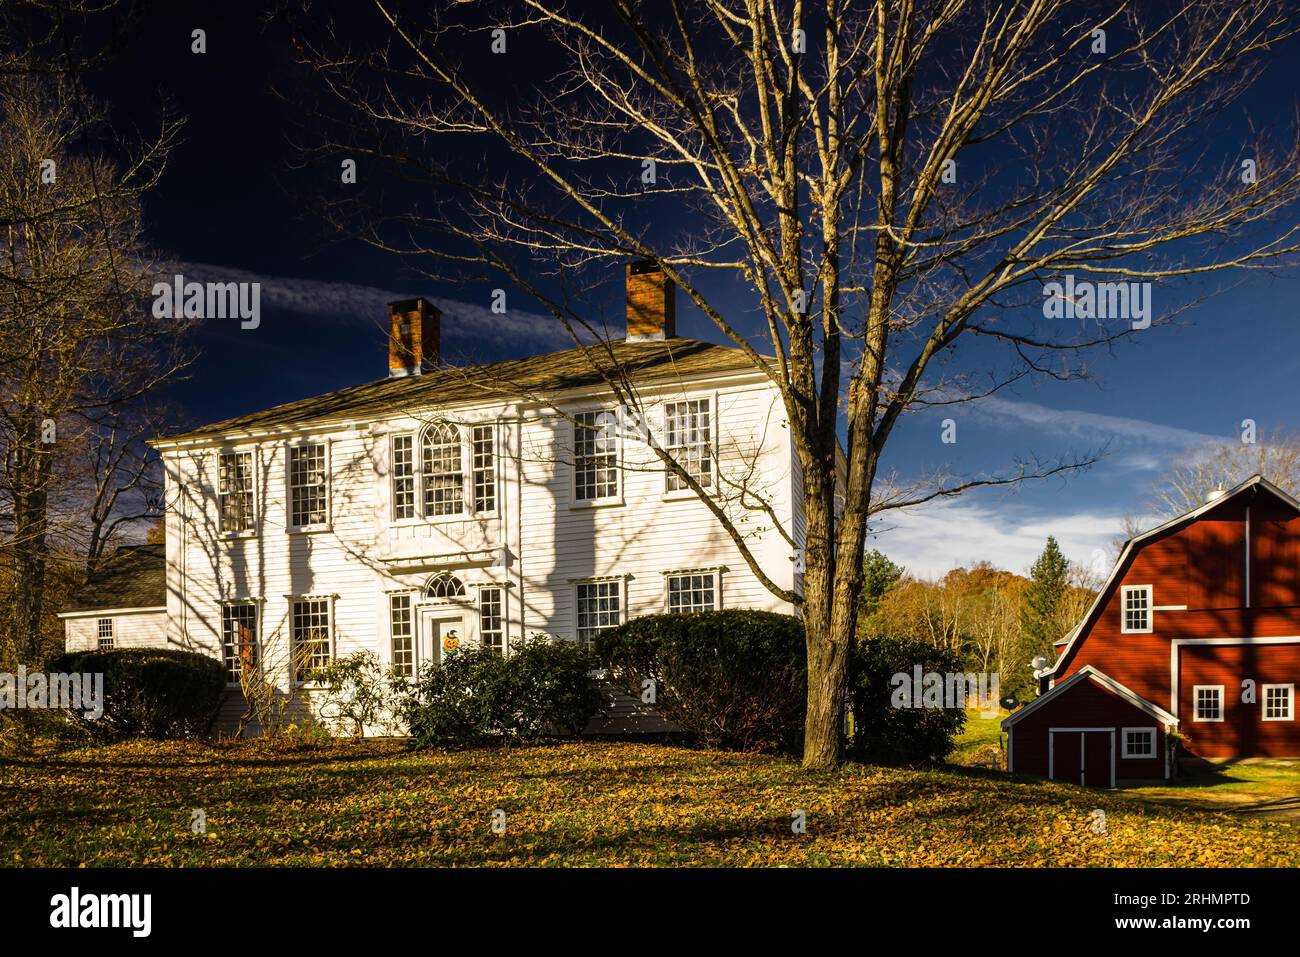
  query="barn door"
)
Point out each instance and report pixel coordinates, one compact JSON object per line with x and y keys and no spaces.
{"x":1083,"y":756}
{"x":1098,"y":747}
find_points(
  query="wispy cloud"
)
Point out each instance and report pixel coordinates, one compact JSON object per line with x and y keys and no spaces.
{"x":465,"y":327}
{"x":932,"y":539}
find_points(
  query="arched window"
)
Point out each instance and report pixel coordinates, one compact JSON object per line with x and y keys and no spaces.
{"x":444,"y":480}
{"x":445,"y":585}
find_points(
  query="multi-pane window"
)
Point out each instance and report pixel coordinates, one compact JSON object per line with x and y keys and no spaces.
{"x":483,"y":452}
{"x":445,"y":586}
{"x":1137,"y":608}
{"x":403,"y":477}
{"x":235,"y":491}
{"x":595,"y":455}
{"x":490,"y":630}
{"x":599,"y":607}
{"x":444,"y":483}
{"x":1209,"y":702}
{"x":688,"y":438}
{"x":402,"y":634}
{"x":1279,"y":702}
{"x":307,"y":485}
{"x":693,"y":591}
{"x":1139,"y":742}
{"x":310,"y":633}
{"x":104,"y":634}
{"x":239,"y":638}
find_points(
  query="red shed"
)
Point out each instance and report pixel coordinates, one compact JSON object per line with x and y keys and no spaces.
{"x":1090,"y":729}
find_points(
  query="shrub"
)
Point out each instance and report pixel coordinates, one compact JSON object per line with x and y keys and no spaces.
{"x":883,"y":733}
{"x":475,"y":696}
{"x":149,"y":693}
{"x":359,"y":695}
{"x":737,"y":680}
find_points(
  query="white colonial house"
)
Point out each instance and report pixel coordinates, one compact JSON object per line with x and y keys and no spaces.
{"x":439,"y":506}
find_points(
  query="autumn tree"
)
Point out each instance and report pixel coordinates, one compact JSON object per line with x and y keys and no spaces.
{"x":877,"y":182}
{"x":77,"y":337}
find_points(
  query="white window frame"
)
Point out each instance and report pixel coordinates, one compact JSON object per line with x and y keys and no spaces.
{"x":617,"y":497}
{"x":413,"y":476}
{"x":472,"y":470}
{"x":332,"y":654}
{"x":1124,"y":592}
{"x":1147,"y":729}
{"x":1196,"y":697}
{"x":619,"y":590}
{"x":483,"y":591}
{"x":468,"y":473}
{"x":257,"y":632}
{"x":708,"y":447}
{"x":326,"y":451}
{"x":1289,"y":687}
{"x":452,"y":429}
{"x":100,"y":636}
{"x":412,"y":636}
{"x":254,"y":510}
{"x":714,"y":573}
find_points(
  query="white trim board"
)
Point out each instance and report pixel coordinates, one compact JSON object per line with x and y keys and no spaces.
{"x":1105,"y":681}
{"x":1178,"y":643}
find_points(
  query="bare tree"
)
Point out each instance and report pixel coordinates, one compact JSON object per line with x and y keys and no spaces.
{"x":884,"y":180}
{"x":1221,"y":465}
{"x":77,"y":336}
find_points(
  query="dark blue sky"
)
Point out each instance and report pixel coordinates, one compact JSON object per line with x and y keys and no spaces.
{"x":231,"y":205}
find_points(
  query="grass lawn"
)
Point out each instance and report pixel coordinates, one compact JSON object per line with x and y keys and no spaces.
{"x":980,"y":738}
{"x":587,"y":803}
{"x":1256,"y":787}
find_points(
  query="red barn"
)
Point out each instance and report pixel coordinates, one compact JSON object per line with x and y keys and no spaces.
{"x":1193,"y":640}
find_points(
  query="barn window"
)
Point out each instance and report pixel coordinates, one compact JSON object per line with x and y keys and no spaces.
{"x":1136,"y":609}
{"x":1209,"y":702}
{"x":1279,"y":702}
{"x":104,"y":634}
{"x":1139,"y":742}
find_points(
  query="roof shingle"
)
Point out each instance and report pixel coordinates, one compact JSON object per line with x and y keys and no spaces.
{"x":134,"y":576}
{"x":511,"y":379}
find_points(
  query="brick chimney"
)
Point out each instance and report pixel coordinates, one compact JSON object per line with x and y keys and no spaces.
{"x":413,"y":330}
{"x":651,"y":303}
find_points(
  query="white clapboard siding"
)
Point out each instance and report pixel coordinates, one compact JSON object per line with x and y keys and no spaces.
{"x":536,"y":546}
{"x":131,"y":629}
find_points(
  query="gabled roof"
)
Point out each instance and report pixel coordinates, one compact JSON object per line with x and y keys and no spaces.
{"x":134,"y":576}
{"x":513,"y":379}
{"x":1105,"y":681}
{"x":1254,"y":484}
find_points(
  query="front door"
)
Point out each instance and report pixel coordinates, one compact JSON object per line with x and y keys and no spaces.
{"x":1084,"y":756}
{"x":440,"y":635}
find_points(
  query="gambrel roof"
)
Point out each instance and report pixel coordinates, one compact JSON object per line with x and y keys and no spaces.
{"x":511,"y":380}
{"x":1252,"y":485}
